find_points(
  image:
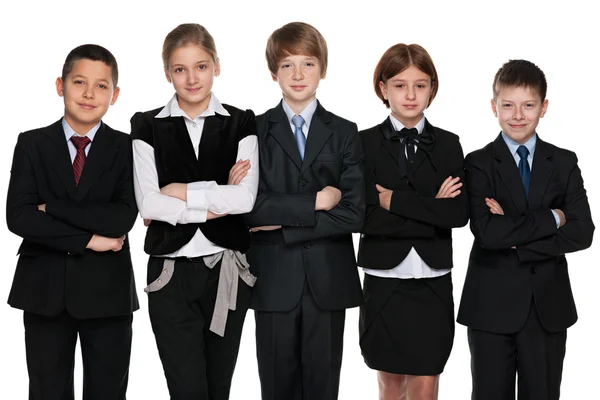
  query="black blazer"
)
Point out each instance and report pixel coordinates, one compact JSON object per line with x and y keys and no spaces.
{"x":312,"y":245}
{"x":416,"y":218}
{"x":501,"y":281}
{"x":55,"y":271}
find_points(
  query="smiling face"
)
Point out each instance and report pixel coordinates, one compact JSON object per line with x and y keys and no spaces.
{"x":518,"y":110}
{"x":192,"y":71}
{"x":408,"y":93}
{"x":88,"y":91}
{"x":298,"y":77}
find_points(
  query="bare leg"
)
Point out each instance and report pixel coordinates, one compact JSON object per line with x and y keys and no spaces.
{"x":422,"y":387}
{"x":391,"y":386}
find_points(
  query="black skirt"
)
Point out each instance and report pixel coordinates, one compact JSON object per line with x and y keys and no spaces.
{"x":407,"y":325}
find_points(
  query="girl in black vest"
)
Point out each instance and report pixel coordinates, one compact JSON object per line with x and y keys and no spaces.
{"x":196,"y":171}
{"x":415,"y":195}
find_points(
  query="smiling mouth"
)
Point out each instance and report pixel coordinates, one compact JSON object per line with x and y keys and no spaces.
{"x":193,"y":90}
{"x":87,"y":106}
{"x":298,"y":88}
{"x":517,"y":126}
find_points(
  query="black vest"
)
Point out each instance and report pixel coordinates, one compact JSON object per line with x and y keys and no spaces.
{"x":176,"y":162}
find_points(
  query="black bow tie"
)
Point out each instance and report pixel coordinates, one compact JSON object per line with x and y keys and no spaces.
{"x":407,"y":134}
{"x":409,"y":138}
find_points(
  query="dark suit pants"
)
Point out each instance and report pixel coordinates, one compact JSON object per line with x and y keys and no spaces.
{"x":300,"y":351}
{"x":105,"y":350}
{"x":198,"y":363}
{"x":533,"y":353}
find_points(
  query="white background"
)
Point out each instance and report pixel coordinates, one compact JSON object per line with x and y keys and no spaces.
{"x":468,"y":41}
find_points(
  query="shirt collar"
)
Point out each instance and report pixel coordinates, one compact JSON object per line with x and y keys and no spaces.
{"x":69,"y":132}
{"x":399,"y":125}
{"x":172,"y":109}
{"x":513,"y":145}
{"x":307,"y":113}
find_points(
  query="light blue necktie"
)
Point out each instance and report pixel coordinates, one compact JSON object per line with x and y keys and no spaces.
{"x":524,"y":170}
{"x":298,"y":121}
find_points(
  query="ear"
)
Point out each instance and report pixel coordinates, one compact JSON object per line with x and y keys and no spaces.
{"x":60,"y":87}
{"x":217,"y":68}
{"x":494,"y":109}
{"x":274,"y":77}
{"x":383,"y":88}
{"x":168,"y":75}
{"x":115,"y":95}
{"x":544,"y":108}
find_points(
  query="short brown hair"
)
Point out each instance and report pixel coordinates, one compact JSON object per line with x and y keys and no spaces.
{"x":293,"y":39}
{"x":186,"y":34}
{"x":398,"y":58}
{"x":92,"y":52}
{"x":520,"y":73}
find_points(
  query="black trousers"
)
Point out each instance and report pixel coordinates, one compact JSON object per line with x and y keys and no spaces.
{"x":198,"y":363}
{"x":105,"y":349}
{"x":533,"y":353}
{"x":300,"y":351}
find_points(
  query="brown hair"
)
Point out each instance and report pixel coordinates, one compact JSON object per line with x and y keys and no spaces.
{"x":520,"y":73}
{"x":186,"y":34}
{"x":91,"y":52}
{"x":293,"y":39}
{"x":398,"y":58}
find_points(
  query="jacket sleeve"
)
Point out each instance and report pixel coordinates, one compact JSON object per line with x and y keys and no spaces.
{"x":576,"y":234}
{"x":497,"y":232}
{"x":23,"y":217}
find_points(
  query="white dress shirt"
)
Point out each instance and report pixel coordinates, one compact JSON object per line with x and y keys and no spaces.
{"x":413,"y":266}
{"x":202,"y":196}
{"x":69,"y":133}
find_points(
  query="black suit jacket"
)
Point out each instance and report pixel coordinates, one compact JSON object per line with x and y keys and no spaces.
{"x":501,"y":281}
{"x":312,"y":245}
{"x":416,"y":218}
{"x":55,"y":271}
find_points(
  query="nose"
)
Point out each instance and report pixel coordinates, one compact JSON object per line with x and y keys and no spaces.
{"x":518,"y":113}
{"x":410,"y":93}
{"x":298,"y":75}
{"x":192,"y":78}
{"x":88,"y":93}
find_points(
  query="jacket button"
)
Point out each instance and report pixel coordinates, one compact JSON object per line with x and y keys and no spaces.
{"x":533,"y":270}
{"x":302,"y":182}
{"x":306,"y":245}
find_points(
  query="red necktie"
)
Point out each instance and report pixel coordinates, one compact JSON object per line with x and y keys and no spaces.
{"x":80,"y":143}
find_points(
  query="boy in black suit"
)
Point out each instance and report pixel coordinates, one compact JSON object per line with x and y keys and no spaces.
{"x":310,"y":199}
{"x":71,"y":199}
{"x":528,"y":209}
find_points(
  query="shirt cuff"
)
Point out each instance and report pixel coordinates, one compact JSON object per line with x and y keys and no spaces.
{"x":196,"y":195}
{"x":556,"y":218}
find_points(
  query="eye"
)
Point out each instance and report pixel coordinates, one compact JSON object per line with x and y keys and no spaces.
{"x":285,"y":65}
{"x":421,"y":86}
{"x":78,"y":82}
{"x":178,"y":69}
{"x":202,"y":67}
{"x":399,"y":85}
{"x":102,"y":86}
{"x":529,"y":105}
{"x":507,"y":105}
{"x":309,"y":64}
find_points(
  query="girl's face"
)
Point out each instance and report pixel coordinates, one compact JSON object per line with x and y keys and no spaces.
{"x":408,"y":94}
{"x":191,"y":71}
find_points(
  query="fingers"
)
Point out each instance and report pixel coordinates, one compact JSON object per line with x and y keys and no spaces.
{"x":494,"y":206}
{"x":238,"y":172}
{"x":449,"y":188}
{"x":147,"y":222}
{"x":380,"y":188}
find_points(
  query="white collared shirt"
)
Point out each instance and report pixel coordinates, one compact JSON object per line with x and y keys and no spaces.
{"x":69,"y":133}
{"x":307,"y":113}
{"x":202,"y":196}
{"x":413,"y":266}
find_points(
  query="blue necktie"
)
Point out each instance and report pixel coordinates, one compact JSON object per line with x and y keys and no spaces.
{"x":524,"y":170}
{"x":298,"y":121}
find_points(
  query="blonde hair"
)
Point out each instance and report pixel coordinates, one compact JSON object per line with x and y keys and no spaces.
{"x":186,"y":34}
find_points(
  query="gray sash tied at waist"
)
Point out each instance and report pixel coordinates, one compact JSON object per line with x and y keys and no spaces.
{"x":233,"y":266}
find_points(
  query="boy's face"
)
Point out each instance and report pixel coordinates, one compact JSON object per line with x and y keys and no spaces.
{"x":298,"y":77}
{"x":519,"y":110}
{"x":408,"y":94}
{"x":88,"y":91}
{"x":192,"y":71}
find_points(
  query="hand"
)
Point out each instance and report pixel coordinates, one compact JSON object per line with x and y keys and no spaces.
{"x":238,"y":172}
{"x":494,"y":206}
{"x":449,"y":188}
{"x":385,"y":197}
{"x":211,"y":215}
{"x":561,"y":217}
{"x":100,"y":243}
{"x":42,"y":207}
{"x":265,"y":228}
{"x":177,"y":190}
{"x":327,"y":198}
{"x":147,"y":222}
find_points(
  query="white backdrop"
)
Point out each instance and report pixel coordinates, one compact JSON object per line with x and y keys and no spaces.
{"x":468,"y":40}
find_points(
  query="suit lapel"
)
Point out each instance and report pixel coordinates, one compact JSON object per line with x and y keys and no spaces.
{"x":392,"y":146}
{"x":420,"y":154}
{"x":541,"y":171}
{"x":318,"y":134}
{"x":509,"y":173}
{"x":100,"y":155}
{"x":60,"y":157}
{"x":280,"y":129}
